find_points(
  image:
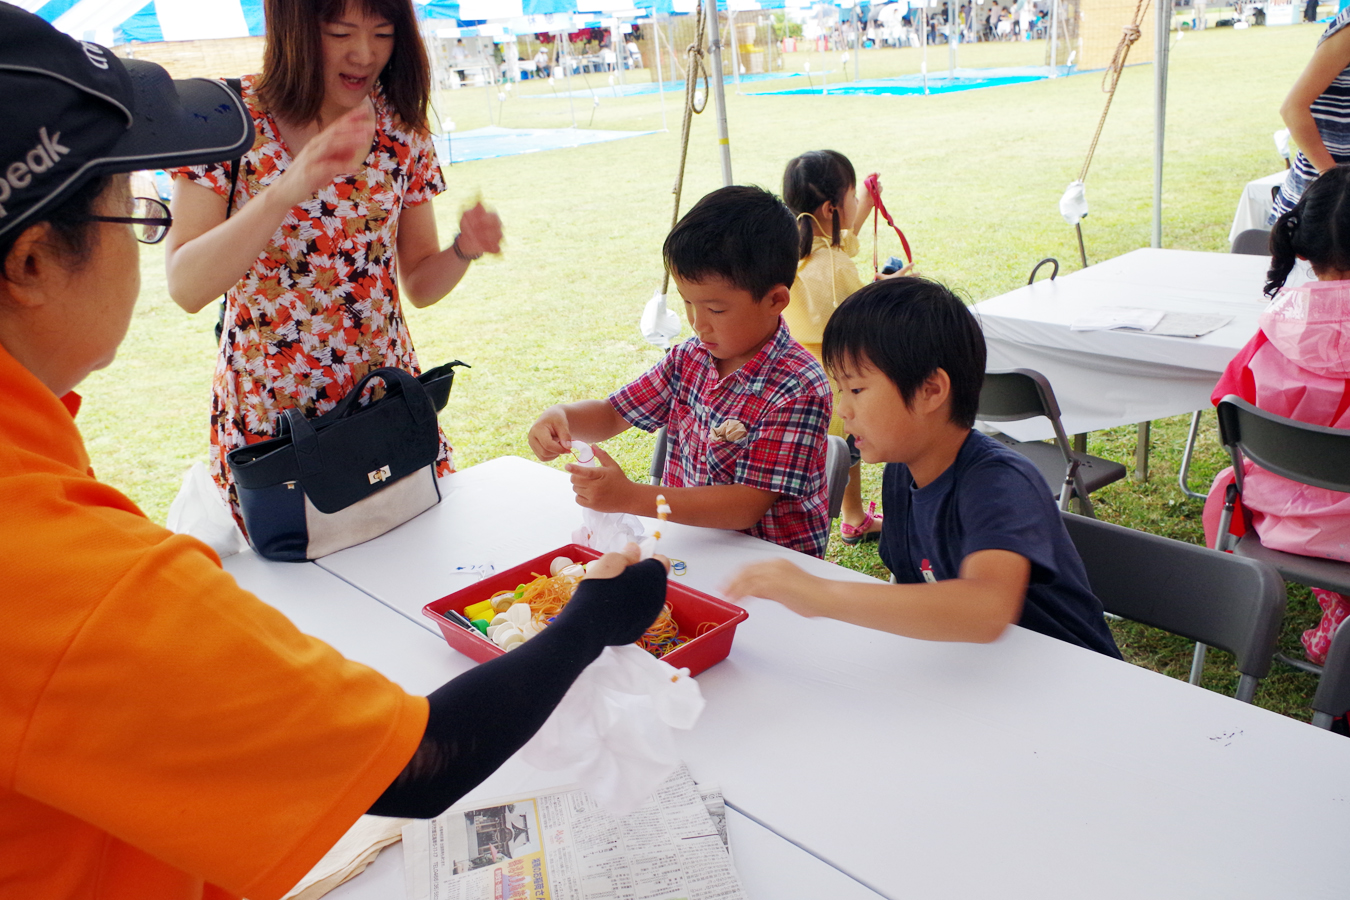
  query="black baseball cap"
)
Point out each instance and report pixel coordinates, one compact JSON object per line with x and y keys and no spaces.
{"x":72,"y":111}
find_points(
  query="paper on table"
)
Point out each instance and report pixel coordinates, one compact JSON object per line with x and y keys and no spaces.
{"x":349,"y":857}
{"x":560,"y":845}
{"x":1148,"y":321}
{"x":1189,"y":326}
{"x":1105,"y":318}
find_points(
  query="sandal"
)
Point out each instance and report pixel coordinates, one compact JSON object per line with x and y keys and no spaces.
{"x":856,"y":534}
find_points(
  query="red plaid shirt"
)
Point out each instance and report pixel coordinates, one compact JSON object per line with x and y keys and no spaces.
{"x":782,"y":398}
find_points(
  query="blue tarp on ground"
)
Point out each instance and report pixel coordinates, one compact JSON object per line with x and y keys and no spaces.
{"x":938,"y":82}
{"x":634,"y":90}
{"x":494,"y":142}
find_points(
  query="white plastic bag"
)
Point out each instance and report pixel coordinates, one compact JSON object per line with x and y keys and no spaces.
{"x":1073,"y":206}
{"x":199,"y":511}
{"x":659,"y":324}
{"x":614,"y":730}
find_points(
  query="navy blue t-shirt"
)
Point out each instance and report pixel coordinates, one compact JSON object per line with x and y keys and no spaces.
{"x":993,"y":498}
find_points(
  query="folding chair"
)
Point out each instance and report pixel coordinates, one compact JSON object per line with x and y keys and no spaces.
{"x":1016,"y":394}
{"x":1309,"y":454}
{"x":1252,"y":242}
{"x":1333,"y":690}
{"x":1211,"y":597}
{"x":836,"y":468}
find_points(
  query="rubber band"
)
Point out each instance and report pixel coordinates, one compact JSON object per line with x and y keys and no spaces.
{"x":548,"y":594}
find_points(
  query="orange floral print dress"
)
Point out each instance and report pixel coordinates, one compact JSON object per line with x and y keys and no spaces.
{"x":320,"y":307}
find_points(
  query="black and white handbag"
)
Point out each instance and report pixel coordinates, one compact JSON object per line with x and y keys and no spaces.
{"x":328,"y":483}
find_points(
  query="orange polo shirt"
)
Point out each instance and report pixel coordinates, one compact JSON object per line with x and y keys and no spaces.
{"x":163,"y":733}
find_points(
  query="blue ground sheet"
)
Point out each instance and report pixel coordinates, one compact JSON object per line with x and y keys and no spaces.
{"x":600,"y":86}
{"x":939,"y":82}
{"x":493,"y":142}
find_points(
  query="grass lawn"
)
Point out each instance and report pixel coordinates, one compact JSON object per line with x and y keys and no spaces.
{"x":974,"y":178}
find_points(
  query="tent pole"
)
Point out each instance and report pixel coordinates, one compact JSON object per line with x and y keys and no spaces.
{"x":857,"y":39}
{"x":952,"y":32}
{"x":719,"y":92}
{"x":1054,"y":38}
{"x":660,"y":82}
{"x":619,"y":46}
{"x":923,"y":42}
{"x":567,"y":73}
{"x":735,"y":50}
{"x":1161,"y":46}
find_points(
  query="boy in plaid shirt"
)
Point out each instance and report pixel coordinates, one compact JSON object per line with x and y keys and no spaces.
{"x":746,"y":406}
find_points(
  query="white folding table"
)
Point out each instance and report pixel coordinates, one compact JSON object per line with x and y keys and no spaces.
{"x":1104,"y":379}
{"x":1255,"y":204}
{"x":1023,"y":768}
{"x":363,"y":630}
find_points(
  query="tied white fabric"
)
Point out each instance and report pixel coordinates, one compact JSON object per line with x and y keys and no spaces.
{"x":659,"y":324}
{"x":1073,"y":206}
{"x":607,"y":532}
{"x":614,"y":730}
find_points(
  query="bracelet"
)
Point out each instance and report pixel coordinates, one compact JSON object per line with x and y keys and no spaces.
{"x":460,"y":253}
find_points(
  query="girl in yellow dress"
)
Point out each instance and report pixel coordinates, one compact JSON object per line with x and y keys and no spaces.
{"x":821,"y":188}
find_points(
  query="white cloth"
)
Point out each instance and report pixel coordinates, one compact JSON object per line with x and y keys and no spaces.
{"x":614,"y":729}
{"x":659,"y":323}
{"x":200,"y":511}
{"x":1073,"y":206}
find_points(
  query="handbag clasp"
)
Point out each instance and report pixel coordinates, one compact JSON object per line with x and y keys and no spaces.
{"x":380,"y":474}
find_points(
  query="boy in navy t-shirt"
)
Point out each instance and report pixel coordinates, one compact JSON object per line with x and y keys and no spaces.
{"x":972,"y":532}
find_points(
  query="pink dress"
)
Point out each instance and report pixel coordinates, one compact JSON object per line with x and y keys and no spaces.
{"x":1298,"y":366}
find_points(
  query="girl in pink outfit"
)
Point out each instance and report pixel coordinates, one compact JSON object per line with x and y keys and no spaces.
{"x":1298,"y":366}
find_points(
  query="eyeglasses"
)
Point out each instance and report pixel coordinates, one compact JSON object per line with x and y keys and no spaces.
{"x":151,"y":218}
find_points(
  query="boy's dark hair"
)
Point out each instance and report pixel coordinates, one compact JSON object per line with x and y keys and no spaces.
{"x":812,"y":179}
{"x":907,"y":328}
{"x":743,"y":235}
{"x":1317,"y":228}
{"x":291,"y":85}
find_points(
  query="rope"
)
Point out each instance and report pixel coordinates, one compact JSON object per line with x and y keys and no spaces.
{"x":694,"y":69}
{"x":1112,"y":77}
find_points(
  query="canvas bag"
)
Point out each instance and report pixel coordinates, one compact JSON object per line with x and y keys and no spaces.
{"x":328,"y":483}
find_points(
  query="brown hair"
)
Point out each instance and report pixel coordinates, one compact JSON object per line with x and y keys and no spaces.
{"x":292,"y":86}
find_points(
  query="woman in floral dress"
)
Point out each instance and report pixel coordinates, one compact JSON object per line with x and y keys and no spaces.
{"x":330,"y":227}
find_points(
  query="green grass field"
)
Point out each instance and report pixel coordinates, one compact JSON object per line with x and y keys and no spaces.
{"x":974,"y":178}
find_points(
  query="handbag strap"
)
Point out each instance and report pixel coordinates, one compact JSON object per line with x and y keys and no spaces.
{"x":237,"y":86}
{"x":394,"y":379}
{"x":304,"y":441}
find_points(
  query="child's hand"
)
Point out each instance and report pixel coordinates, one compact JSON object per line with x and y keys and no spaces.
{"x":776,"y":579}
{"x":604,"y":487}
{"x":550,"y":436}
{"x":907,"y":270}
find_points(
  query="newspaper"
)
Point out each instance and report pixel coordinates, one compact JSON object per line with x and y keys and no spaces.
{"x":561,"y":845}
{"x":1149,"y":321}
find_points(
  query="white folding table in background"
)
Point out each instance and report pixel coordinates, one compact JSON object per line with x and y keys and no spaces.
{"x":1255,"y":204}
{"x":1105,"y":379}
{"x":1023,"y":768}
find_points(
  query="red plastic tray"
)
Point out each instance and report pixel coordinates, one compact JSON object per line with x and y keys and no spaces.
{"x":690,"y":609}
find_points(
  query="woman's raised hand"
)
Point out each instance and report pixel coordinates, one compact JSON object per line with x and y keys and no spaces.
{"x":480,"y":231}
{"x":337,"y":150}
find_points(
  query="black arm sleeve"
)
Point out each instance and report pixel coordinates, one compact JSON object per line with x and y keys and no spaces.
{"x":482,"y":717}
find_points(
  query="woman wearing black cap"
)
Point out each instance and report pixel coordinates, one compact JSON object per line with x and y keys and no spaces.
{"x":163,"y":733}
{"x":331,"y":227}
